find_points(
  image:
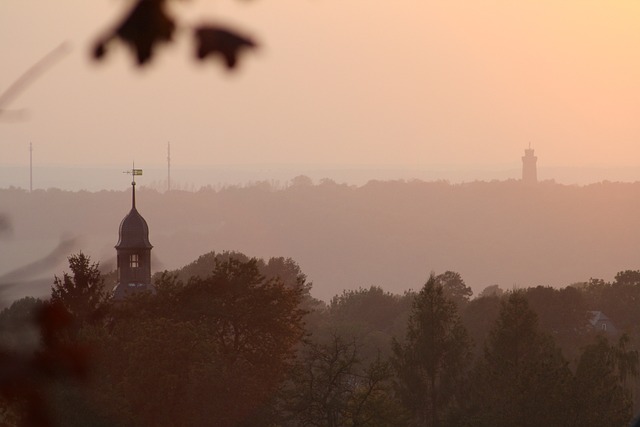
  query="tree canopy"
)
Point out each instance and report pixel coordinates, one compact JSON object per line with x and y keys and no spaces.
{"x":431,"y":361}
{"x":82,"y":291}
{"x":211,"y":348}
{"x":225,"y":339}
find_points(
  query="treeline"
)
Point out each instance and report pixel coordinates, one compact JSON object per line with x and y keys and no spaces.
{"x":235,"y":341}
{"x":382,"y":233}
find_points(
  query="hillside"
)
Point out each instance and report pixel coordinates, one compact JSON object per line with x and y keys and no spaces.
{"x":390,"y":233}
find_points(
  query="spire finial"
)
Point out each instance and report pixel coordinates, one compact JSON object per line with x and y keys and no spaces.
{"x":133,"y":172}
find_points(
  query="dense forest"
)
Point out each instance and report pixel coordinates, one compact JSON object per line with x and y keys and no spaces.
{"x":230,"y":340}
{"x":387,"y":234}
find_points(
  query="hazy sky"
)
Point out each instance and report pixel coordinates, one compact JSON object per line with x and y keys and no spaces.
{"x":410,"y":83}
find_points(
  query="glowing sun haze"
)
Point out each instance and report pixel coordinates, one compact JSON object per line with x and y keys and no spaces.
{"x":409,"y":83}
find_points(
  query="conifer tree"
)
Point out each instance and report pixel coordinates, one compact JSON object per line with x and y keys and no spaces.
{"x":522,"y":380}
{"x":82,"y":291}
{"x":431,"y":361}
{"x":601,"y":397}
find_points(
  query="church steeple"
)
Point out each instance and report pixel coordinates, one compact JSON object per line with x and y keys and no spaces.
{"x":134,"y":250}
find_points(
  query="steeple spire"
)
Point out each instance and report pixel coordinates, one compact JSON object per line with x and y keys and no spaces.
{"x":133,"y":172}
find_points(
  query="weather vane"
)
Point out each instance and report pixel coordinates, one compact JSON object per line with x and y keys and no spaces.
{"x":133,"y":172}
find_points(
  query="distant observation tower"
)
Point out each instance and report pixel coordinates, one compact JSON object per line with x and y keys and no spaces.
{"x":529,"y":170}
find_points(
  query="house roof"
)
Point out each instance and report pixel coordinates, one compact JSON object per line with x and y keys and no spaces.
{"x":597,"y":317}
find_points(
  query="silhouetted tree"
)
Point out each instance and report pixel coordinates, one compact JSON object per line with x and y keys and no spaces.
{"x":601,"y":396}
{"x":372,"y":315}
{"x":491,"y":290}
{"x":301,"y":181}
{"x":454,"y":287}
{"x":19,"y":336}
{"x":522,"y":380}
{"x":212,"y":350}
{"x":332,"y":387}
{"x":18,"y":325}
{"x":82,"y":292}
{"x":618,"y":300}
{"x":431,"y":362}
{"x":478,"y":317}
{"x":562,"y":313}
{"x":628,"y":278}
{"x":27,"y":373}
{"x":284,"y":269}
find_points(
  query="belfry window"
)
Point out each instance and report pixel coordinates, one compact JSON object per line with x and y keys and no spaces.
{"x":134,"y":261}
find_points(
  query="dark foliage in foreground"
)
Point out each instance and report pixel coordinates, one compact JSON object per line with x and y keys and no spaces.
{"x":228,"y":346}
{"x":213,"y":348}
{"x":149,"y":23}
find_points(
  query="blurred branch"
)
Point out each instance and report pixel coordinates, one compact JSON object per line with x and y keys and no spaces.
{"x":29,"y":76}
{"x":5,"y":225}
{"x":43,"y":265}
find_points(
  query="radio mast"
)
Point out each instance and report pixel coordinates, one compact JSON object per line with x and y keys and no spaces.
{"x":168,"y":166}
{"x":30,"y":167}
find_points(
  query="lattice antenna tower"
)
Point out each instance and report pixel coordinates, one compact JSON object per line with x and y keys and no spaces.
{"x":30,"y":167}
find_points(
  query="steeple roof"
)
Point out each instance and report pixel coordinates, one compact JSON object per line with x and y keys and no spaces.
{"x":134,"y":231}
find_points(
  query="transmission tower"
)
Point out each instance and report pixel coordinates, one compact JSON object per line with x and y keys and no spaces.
{"x":30,"y":167}
{"x":168,"y":166}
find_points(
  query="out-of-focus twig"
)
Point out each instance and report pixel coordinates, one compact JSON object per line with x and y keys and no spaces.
{"x":30,"y":75}
{"x":53,"y":258}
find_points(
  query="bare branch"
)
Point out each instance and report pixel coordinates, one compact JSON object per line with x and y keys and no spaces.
{"x":29,"y":76}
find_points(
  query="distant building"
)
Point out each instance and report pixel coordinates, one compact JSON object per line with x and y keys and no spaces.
{"x":529,"y":169}
{"x":134,"y":252}
{"x":602,"y":323}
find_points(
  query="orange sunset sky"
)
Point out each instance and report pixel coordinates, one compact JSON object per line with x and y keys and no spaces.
{"x":402,"y":83}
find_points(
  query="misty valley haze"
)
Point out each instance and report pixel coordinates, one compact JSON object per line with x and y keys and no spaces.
{"x":384,"y":233}
{"x":411,"y":295}
{"x":97,"y":178}
{"x":229,"y":340}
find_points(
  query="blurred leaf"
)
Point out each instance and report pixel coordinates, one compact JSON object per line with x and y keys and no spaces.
{"x":25,"y":377}
{"x":146,"y":25}
{"x":213,"y":40}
